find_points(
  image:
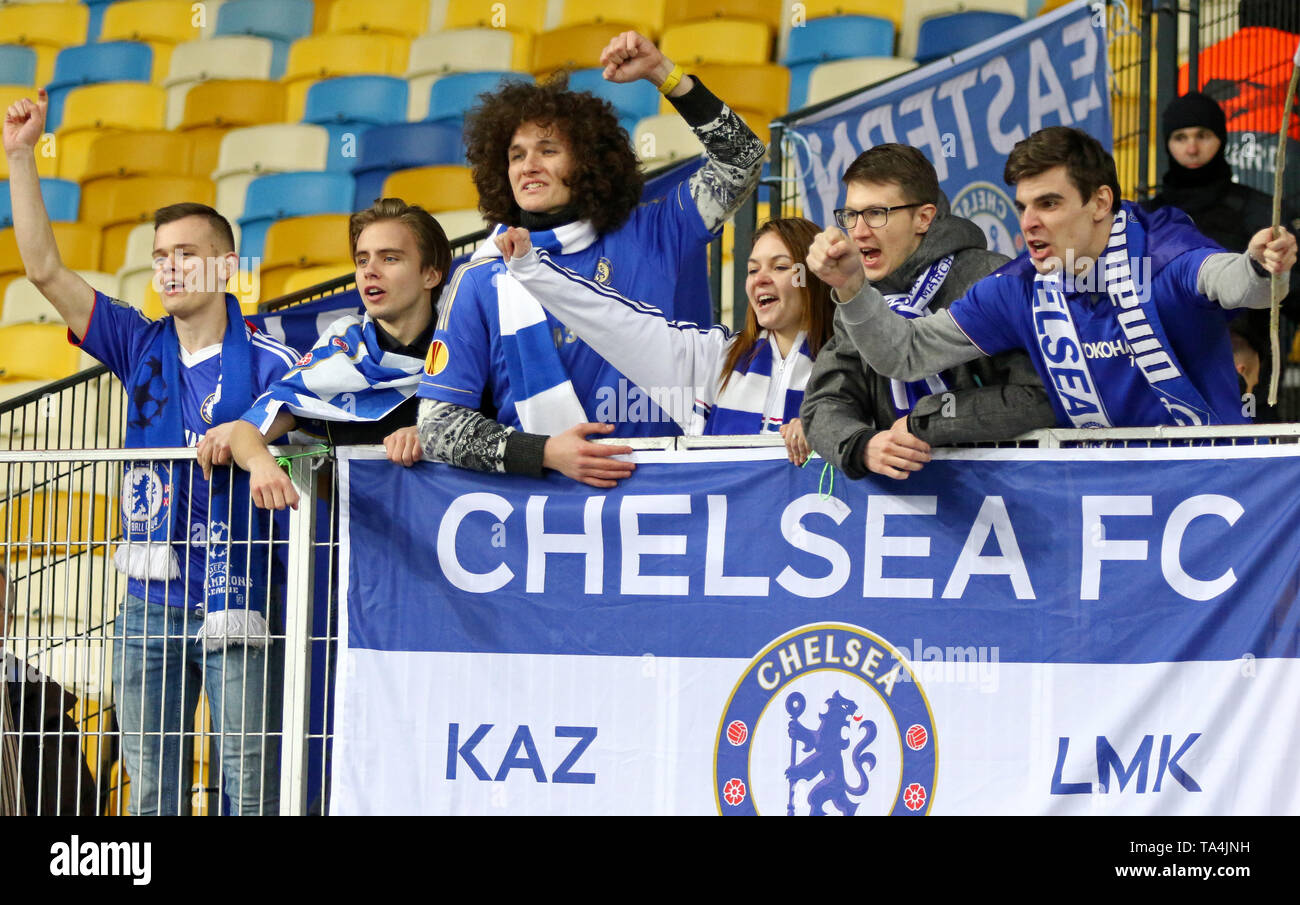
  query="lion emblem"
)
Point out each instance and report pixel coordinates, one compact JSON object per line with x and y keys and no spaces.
{"x":825,"y":745}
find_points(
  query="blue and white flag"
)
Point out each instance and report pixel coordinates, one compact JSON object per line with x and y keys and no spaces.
{"x":1008,"y":631}
{"x":965,"y":113}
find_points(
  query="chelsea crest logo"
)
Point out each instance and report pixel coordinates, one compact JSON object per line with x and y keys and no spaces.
{"x":603,"y":270}
{"x":145,"y":500}
{"x":827,"y":719}
{"x":989,"y":208}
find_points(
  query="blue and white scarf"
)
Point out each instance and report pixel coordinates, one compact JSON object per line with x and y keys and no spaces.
{"x":743,"y":406}
{"x":345,"y":377}
{"x":545,"y":400}
{"x":1140,"y":323}
{"x":233,"y":614}
{"x":911,"y":305}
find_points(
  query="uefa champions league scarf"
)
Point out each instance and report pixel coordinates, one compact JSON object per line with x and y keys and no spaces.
{"x":911,"y":305}
{"x":346,"y":376}
{"x":1140,"y":323}
{"x":149,"y":489}
{"x":545,"y":400}
{"x":741,"y":407}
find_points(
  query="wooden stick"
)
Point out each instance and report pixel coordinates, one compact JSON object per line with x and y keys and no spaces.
{"x":1275,"y":311}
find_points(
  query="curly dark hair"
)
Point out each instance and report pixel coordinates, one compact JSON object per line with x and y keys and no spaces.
{"x":606,"y":181}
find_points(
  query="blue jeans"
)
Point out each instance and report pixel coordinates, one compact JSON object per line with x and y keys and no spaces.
{"x":158,"y":670}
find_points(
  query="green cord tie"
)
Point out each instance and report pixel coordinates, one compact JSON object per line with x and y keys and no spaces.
{"x":830,"y":490}
{"x":284,"y":461}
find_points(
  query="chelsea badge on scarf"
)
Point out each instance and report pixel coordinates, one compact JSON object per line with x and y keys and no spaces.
{"x":145,"y":499}
{"x":827,"y":719}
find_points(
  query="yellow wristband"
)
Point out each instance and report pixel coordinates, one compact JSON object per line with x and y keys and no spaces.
{"x":671,"y":82}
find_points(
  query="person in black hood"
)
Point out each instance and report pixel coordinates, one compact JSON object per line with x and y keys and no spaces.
{"x":922,"y":258}
{"x":1199,"y":182}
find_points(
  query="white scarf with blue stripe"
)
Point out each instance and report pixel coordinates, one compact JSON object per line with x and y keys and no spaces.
{"x":911,"y":305}
{"x":545,"y":400}
{"x":743,"y":406}
{"x":345,"y":377}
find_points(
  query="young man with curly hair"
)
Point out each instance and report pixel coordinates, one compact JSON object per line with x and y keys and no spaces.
{"x":557,"y":163}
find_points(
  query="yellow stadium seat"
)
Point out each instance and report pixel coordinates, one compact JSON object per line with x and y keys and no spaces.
{"x":36,"y":352}
{"x":1050,"y":5}
{"x":573,"y":47}
{"x":760,"y":87}
{"x":46,"y":28}
{"x":842,"y":76}
{"x":442,"y":188}
{"x":244,"y":57}
{"x":769,"y":11}
{"x":461,"y":223}
{"x":645,"y":16}
{"x":42,"y":522}
{"x":214,"y":108}
{"x":24,"y":304}
{"x":165,"y":21}
{"x":326,"y":56}
{"x":717,"y":41}
{"x":78,"y":245}
{"x":133,"y":201}
{"x":881,"y":9}
{"x":321,"y":20}
{"x":303,"y":242}
{"x":469,"y":50}
{"x":314,"y":276}
{"x":406,"y":18}
{"x":527,"y":16}
{"x":152,"y":153}
{"x":94,"y":109}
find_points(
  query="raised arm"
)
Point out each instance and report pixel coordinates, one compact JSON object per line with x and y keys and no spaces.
{"x":675,"y":363}
{"x":888,"y":342}
{"x":735,"y":153}
{"x":1243,"y":280}
{"x":70,"y":295}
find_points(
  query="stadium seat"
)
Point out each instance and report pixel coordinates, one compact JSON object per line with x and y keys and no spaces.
{"x":280,"y":21}
{"x":435,"y":189}
{"x":663,"y":139}
{"x":46,"y":28}
{"x":461,"y":223}
{"x":762,"y":88}
{"x":633,"y":100}
{"x":942,"y":36}
{"x":453,"y":95}
{"x":881,"y":9}
{"x":771,"y":12}
{"x":717,"y":41}
{"x":61,"y":198}
{"x":134,"y":200}
{"x":78,"y":245}
{"x":42,"y":522}
{"x":405,"y":18}
{"x":231,"y":57}
{"x":136,"y":272}
{"x":162,"y":24}
{"x":24,"y":304}
{"x":36,"y":352}
{"x":326,"y":56}
{"x":917,"y":11}
{"x":1049,"y":5}
{"x":303,"y":242}
{"x":469,"y":50}
{"x":645,"y":16}
{"x":838,"y":77}
{"x":385,"y":149}
{"x":155,"y":153}
{"x":274,"y":148}
{"x":573,"y":47}
{"x":214,"y":108}
{"x":351,"y":105}
{"x":17,"y":65}
{"x":91,"y":110}
{"x":276,"y":196}
{"x":89,"y":64}
{"x":526,"y":16}
{"x":835,"y":38}
{"x":314,"y":276}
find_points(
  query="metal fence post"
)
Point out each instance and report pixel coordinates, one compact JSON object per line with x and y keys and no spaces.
{"x":297,"y":640}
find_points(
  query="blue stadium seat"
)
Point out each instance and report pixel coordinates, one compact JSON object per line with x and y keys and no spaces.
{"x":634,"y":101}
{"x":453,"y":95}
{"x":89,"y":64}
{"x":17,"y":65}
{"x":941,"y":36}
{"x":281,"y":21}
{"x":352,"y":105}
{"x":97,"y":8}
{"x":62,"y":198}
{"x":833,"y":38}
{"x":385,"y":149}
{"x":280,"y":195}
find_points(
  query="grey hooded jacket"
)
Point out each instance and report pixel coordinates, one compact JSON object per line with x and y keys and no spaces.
{"x":846,"y":403}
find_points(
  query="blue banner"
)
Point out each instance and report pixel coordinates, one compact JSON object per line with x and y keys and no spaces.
{"x":965,"y":113}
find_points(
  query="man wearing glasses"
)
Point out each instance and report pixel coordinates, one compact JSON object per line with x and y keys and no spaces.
{"x":920,"y":258}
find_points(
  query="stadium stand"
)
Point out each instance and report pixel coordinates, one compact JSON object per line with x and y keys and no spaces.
{"x":17,"y":65}
{"x":881,"y":9}
{"x":351,"y":105}
{"x":46,"y":28}
{"x":133,"y":200}
{"x":571,"y":47}
{"x":60,"y":195}
{"x":327,"y":56}
{"x":403,"y":18}
{"x":386,"y":149}
{"x":453,"y":95}
{"x":436,"y":189}
{"x":212,"y":109}
{"x":161,"y":24}
{"x":279,"y":195}
{"x":758,"y":91}
{"x":231,"y":57}
{"x":523,"y":16}
{"x":718,"y":41}
{"x":941,"y":36}
{"x":833,"y":38}
{"x":93,"y":110}
{"x":832,"y":79}
{"x":24,"y":304}
{"x":467,"y":50}
{"x":280,"y":21}
{"x":299,"y":242}
{"x":916,"y":11}
{"x":78,"y":246}
{"x":633,"y":101}
{"x":770,"y":12}
{"x":273,"y":148}
{"x":89,"y":64}
{"x":644,"y":16}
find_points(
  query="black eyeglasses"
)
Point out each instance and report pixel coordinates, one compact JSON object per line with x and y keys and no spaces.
{"x":876,"y":217}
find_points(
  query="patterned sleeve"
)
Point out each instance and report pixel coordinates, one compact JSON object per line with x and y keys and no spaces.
{"x":735,"y":155}
{"x":468,"y":439}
